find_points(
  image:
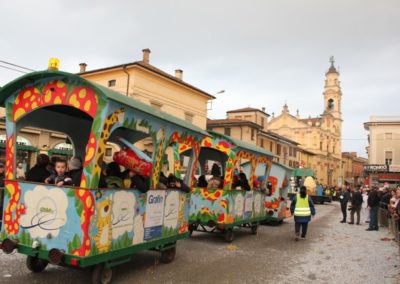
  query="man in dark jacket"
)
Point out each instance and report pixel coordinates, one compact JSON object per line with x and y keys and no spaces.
{"x":356,"y":202}
{"x":344,"y":199}
{"x":373,"y":204}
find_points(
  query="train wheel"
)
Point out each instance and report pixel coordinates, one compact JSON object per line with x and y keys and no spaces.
{"x":36,"y":264}
{"x":167,"y":256}
{"x":101,"y":274}
{"x":228,"y":235}
{"x":192,"y":228}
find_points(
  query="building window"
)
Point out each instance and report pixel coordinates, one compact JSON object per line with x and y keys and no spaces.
{"x":294,"y":152}
{"x":227,"y":131}
{"x":331,"y":104}
{"x":262,"y":143}
{"x":278,"y":149}
{"x":388,"y":157}
{"x":334,"y":149}
{"x":271,"y":146}
{"x":290,"y":151}
{"x":320,"y":145}
{"x":252,"y":134}
{"x":108,"y":152}
{"x":156,"y":105}
{"x":111,"y":83}
{"x":262,"y":122}
{"x":388,"y":136}
{"x":290,"y":164}
{"x":189,"y":117}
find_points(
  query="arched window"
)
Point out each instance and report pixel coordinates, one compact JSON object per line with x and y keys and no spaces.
{"x":331,"y":104}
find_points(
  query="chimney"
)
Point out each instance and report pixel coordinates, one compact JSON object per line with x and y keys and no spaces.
{"x":146,"y":55}
{"x":179,"y":74}
{"x":82,"y":67}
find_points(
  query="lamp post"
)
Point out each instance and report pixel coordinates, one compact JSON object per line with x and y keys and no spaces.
{"x":210,"y":101}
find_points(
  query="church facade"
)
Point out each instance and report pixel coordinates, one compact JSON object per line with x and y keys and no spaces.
{"x":321,"y":135}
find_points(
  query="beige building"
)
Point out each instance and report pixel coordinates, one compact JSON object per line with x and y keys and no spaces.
{"x":320,"y":135}
{"x":250,"y":125}
{"x":383,"y":150}
{"x":148,"y":84}
{"x":32,"y":141}
{"x":353,"y":168}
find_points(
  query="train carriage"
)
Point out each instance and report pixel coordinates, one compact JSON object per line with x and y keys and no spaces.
{"x":84,"y":225}
{"x":276,"y":199}
{"x":221,"y":209}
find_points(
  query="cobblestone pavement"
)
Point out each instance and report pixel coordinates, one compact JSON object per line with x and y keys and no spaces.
{"x":333,"y":253}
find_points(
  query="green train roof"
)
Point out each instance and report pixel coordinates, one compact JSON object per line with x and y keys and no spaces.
{"x":244,"y":145}
{"x":303,"y":172}
{"x":31,"y":78}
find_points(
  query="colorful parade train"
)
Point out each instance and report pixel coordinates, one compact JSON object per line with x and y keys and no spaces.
{"x":85,"y":225}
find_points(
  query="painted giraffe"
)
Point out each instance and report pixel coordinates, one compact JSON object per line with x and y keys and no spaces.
{"x":158,"y":158}
{"x":109,"y":122}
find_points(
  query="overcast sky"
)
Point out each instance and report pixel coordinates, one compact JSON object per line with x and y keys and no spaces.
{"x":262,"y":53}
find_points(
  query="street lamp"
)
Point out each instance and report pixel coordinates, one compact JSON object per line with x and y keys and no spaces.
{"x":210,"y":101}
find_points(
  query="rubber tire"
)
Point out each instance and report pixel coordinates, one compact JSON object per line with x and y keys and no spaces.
{"x":101,"y":274}
{"x":167,"y":256}
{"x":192,"y":228}
{"x":36,"y":264}
{"x":254,"y":229}
{"x":229,"y":235}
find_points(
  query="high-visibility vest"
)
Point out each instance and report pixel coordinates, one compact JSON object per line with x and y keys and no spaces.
{"x":302,"y":207}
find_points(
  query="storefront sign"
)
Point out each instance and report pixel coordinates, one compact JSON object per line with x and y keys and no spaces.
{"x":376,"y":168}
{"x":394,"y":168}
{"x":389,"y":177}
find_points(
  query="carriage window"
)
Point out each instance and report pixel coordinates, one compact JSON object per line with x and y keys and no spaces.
{"x":53,"y":126}
{"x":212,"y":167}
{"x":177,"y":162}
{"x":111,"y":83}
{"x":130,"y":164}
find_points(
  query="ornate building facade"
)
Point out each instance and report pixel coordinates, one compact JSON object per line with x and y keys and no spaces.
{"x":320,"y":135}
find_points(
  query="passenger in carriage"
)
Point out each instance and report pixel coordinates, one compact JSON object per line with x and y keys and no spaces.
{"x":215,"y":170}
{"x":133,"y":180}
{"x":75,"y":170}
{"x":60,"y":178}
{"x":214,"y":182}
{"x":174,"y":182}
{"x":39,"y":172}
{"x":113,"y":178}
{"x":242,"y":183}
{"x":202,"y":182}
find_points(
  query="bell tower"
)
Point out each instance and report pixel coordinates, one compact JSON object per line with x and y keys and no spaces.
{"x":332,"y":92}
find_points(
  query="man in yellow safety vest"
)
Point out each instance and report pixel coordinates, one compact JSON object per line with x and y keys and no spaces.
{"x":302,"y":208}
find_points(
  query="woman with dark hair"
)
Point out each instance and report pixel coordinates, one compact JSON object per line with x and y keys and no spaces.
{"x":39,"y":172}
{"x":302,"y":208}
{"x":202,"y":182}
{"x":242,"y":182}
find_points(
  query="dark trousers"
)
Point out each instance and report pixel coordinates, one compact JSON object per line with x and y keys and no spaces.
{"x":355,"y":209}
{"x":343,"y":206}
{"x":373,"y":223}
{"x":303,"y":226}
